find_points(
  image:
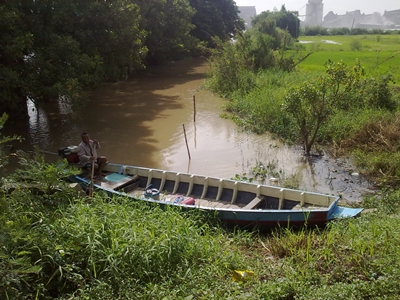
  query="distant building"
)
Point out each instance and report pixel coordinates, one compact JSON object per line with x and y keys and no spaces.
{"x":247,"y":13}
{"x":348,"y":20}
{"x":352,"y":19}
{"x":392,"y":18}
{"x":355,"y":19}
{"x":314,"y":13}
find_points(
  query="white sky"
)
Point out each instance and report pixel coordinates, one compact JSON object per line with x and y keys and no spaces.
{"x":337,"y":6}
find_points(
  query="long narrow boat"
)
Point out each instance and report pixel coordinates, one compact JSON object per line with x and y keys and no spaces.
{"x":233,"y":202}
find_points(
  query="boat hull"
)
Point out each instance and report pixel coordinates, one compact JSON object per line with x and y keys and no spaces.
{"x":232,"y":202}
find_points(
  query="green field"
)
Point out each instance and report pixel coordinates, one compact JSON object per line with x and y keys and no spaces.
{"x":377,"y":53}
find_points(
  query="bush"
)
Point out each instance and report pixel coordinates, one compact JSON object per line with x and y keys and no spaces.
{"x":355,"y":45}
{"x":339,"y":31}
{"x":316,"y":30}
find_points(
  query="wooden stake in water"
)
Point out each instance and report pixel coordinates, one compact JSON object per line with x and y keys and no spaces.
{"x":194,"y":108}
{"x":187,"y":146}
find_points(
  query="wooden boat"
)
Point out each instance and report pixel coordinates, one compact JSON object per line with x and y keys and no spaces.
{"x":233,"y":202}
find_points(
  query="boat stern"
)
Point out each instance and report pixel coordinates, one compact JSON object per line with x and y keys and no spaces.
{"x":340,"y":212}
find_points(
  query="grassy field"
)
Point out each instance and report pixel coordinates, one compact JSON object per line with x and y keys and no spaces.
{"x":379,"y":54}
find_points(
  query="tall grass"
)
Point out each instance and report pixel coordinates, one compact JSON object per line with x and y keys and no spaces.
{"x":102,"y":248}
{"x":260,"y":110}
{"x":345,"y":261}
{"x":122,"y":248}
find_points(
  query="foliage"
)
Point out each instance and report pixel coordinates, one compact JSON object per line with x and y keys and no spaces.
{"x":319,"y":31}
{"x":355,"y":45}
{"x":4,"y":140}
{"x":40,"y":177}
{"x":215,"y":19}
{"x":260,"y":109}
{"x":28,"y":199}
{"x":235,"y":65}
{"x":341,"y":88}
{"x":314,"y":31}
{"x":56,"y":51}
{"x":16,"y":42}
{"x":106,"y":30}
{"x":167,"y":25}
{"x":344,"y":126}
{"x":339,"y":31}
{"x":61,"y":47}
{"x":372,"y":136}
{"x":387,"y":201}
{"x":113,"y":246}
{"x":228,"y":72}
{"x":351,"y":254}
{"x":285,"y":20}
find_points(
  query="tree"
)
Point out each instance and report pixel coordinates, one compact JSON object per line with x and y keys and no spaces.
{"x":52,"y":50}
{"x":105,"y":31}
{"x":285,"y":20}
{"x":216,"y":18}
{"x":168,"y":25}
{"x":15,"y":43}
{"x":313,"y":102}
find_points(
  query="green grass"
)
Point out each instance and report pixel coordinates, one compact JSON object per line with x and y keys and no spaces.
{"x":379,"y":54}
{"x":103,"y":248}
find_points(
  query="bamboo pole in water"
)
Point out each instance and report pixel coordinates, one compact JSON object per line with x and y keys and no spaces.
{"x":187,"y":146}
{"x":194,"y":108}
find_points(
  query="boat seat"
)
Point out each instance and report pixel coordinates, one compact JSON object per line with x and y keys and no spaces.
{"x":297,"y":207}
{"x":130,"y":185}
{"x":253,"y":203}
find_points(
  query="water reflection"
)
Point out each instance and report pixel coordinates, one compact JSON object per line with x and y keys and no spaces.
{"x":39,"y":128}
{"x":139,"y":122}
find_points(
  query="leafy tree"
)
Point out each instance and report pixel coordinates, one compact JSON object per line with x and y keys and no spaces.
{"x":109,"y":30}
{"x":168,"y":25}
{"x":235,"y":65}
{"x":15,"y":42}
{"x":379,"y":93}
{"x":56,"y":48}
{"x":230,"y":71}
{"x":285,"y":20}
{"x":217,"y":18}
{"x":313,"y":102}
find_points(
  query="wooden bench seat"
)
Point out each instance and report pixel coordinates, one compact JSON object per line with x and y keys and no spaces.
{"x":256,"y":201}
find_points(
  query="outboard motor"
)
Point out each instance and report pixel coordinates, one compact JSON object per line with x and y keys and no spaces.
{"x":70,"y":153}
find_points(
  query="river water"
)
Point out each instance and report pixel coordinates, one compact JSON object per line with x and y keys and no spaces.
{"x":158,"y":119}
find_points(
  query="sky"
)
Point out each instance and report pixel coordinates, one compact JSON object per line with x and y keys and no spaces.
{"x":337,"y":6}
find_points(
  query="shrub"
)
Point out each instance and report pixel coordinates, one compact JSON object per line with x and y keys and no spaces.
{"x":355,"y":45}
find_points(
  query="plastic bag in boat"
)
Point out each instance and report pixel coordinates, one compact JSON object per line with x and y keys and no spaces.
{"x":188,"y":201}
{"x":153,"y":193}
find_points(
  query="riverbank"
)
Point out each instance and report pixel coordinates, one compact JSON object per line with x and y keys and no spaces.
{"x":101,"y":248}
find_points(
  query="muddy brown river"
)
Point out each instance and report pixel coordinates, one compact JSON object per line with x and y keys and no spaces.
{"x":141,"y":121}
